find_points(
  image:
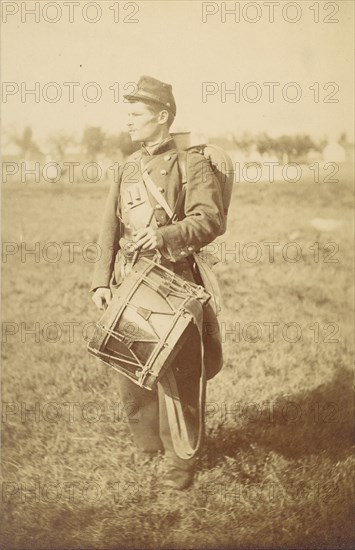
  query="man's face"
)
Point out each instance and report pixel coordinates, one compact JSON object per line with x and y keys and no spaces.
{"x":142,"y":123}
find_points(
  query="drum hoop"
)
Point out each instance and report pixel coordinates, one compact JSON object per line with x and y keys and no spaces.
{"x":113,"y":356}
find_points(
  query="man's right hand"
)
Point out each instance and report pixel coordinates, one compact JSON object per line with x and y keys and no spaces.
{"x":102,"y":297}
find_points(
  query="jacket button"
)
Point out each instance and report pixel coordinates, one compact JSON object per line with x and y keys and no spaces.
{"x":158,"y":207}
{"x":182,"y":253}
{"x":161,"y":189}
{"x":167,"y":157}
{"x":163,"y":172}
{"x":158,"y":224}
{"x":190,"y":248}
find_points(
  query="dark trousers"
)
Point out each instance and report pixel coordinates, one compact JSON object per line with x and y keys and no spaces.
{"x":149,"y":422}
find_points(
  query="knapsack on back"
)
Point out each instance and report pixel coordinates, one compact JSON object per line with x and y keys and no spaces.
{"x":222,"y":167}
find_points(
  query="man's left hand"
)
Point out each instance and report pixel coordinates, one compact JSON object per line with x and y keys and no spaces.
{"x":148,"y":238}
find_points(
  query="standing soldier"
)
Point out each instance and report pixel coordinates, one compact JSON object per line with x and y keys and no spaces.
{"x":136,"y":222}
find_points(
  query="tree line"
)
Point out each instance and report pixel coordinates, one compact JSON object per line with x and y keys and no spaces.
{"x":95,"y":142}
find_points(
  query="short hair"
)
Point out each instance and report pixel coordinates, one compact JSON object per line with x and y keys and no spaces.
{"x":156,"y":108}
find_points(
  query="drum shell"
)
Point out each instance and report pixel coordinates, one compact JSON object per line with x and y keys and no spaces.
{"x":147,"y":323}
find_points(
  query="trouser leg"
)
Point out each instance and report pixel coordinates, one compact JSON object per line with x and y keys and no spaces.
{"x":187,"y":368}
{"x":142,"y":413}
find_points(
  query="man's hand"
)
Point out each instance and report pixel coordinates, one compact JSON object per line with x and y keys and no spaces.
{"x":148,"y":238}
{"x":102,"y":297}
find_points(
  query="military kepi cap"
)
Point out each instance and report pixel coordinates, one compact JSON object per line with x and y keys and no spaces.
{"x":151,"y":90}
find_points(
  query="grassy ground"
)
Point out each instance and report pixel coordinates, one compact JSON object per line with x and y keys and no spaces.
{"x":276,"y":469}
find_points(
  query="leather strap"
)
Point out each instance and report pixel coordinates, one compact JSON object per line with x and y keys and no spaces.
{"x":179,"y":433}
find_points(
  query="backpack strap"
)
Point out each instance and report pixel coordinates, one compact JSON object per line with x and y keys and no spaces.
{"x":182,"y":164}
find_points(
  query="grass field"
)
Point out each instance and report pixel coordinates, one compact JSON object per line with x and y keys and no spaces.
{"x":277,"y":466}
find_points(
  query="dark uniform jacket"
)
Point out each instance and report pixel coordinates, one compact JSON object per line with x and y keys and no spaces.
{"x":200,"y":218}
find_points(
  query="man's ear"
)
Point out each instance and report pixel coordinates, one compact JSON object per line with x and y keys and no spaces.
{"x":163,"y":117}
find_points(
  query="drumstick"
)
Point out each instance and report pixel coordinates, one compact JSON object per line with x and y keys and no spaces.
{"x":137,"y":251}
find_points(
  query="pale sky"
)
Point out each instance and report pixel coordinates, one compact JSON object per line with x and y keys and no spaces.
{"x":170,"y":42}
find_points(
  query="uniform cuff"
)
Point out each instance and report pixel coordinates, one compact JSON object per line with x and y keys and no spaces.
{"x":174,"y":248}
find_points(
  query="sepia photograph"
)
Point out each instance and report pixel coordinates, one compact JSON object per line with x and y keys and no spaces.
{"x":177,"y":299}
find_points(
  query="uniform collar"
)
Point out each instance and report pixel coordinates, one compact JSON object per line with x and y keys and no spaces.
{"x":162,"y":147}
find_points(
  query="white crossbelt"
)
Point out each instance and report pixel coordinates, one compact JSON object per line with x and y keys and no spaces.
{"x":154,"y":191}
